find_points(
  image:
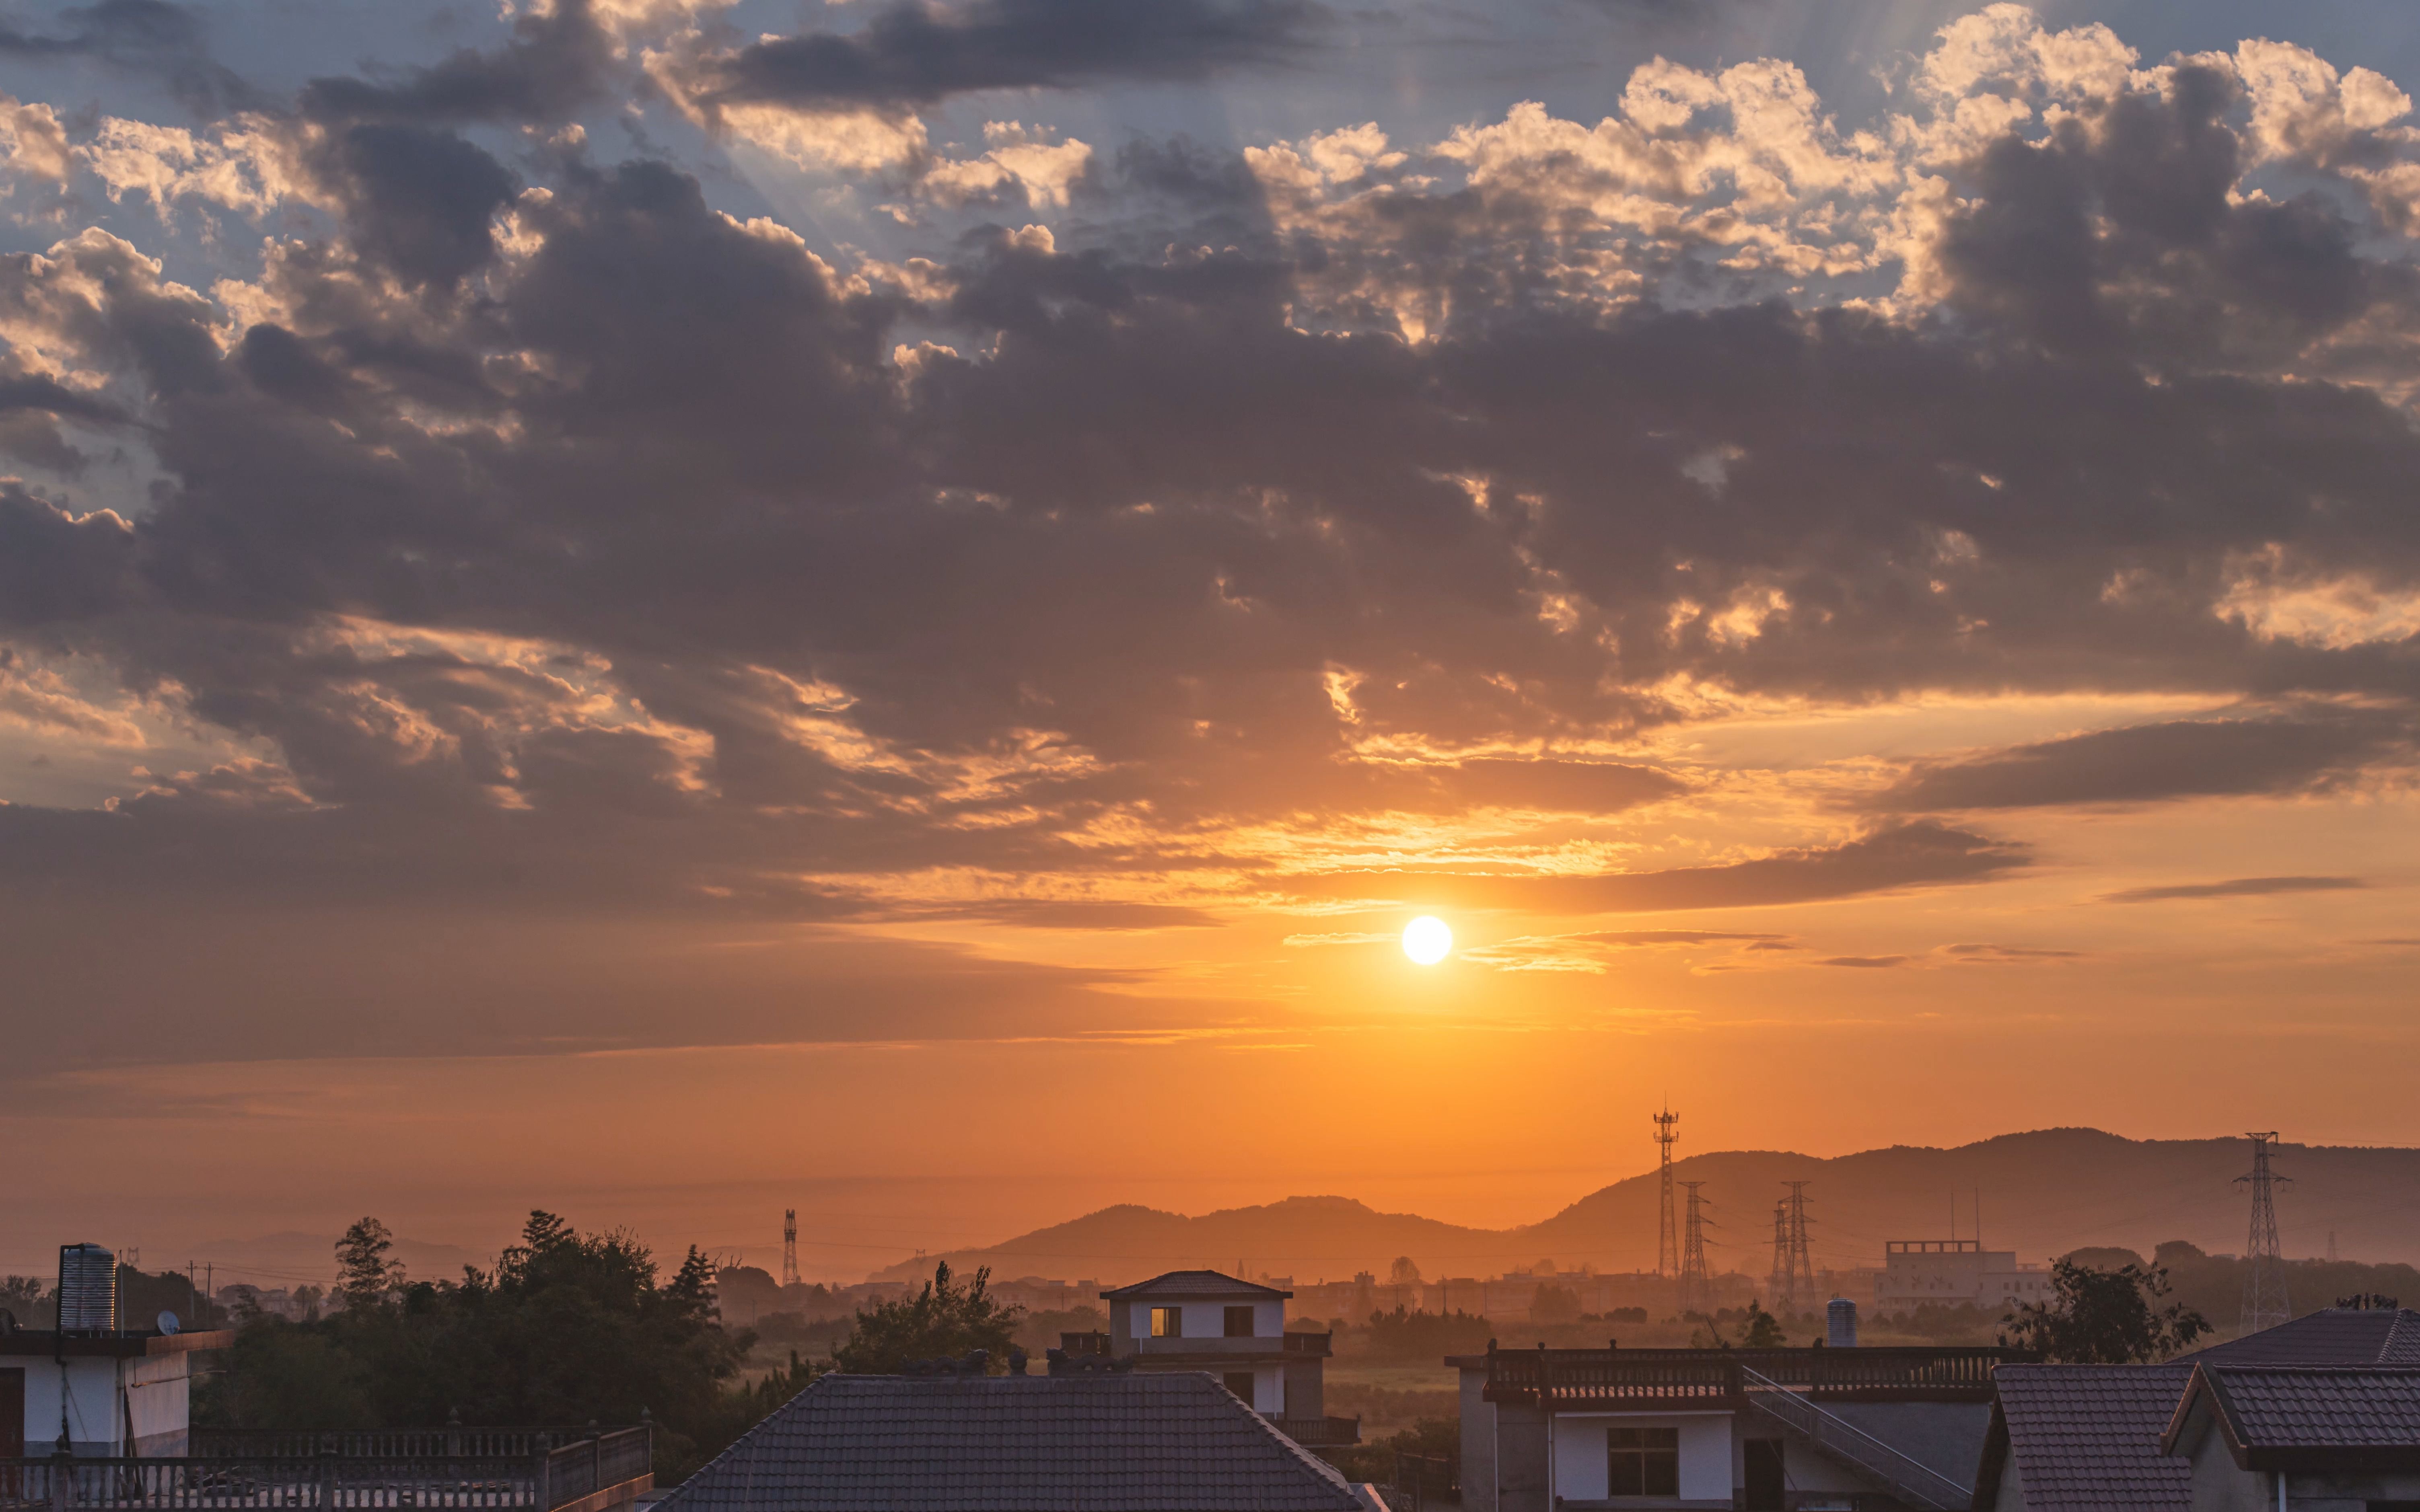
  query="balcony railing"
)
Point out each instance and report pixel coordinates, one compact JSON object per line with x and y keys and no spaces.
{"x":449,"y":1443}
{"x":587,"y":1475}
{"x":1568,"y":1378}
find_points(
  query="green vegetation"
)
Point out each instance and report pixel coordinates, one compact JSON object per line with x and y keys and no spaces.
{"x":1381,"y":1460}
{"x":2098,"y":1317}
{"x":569,"y":1328}
{"x":947,"y":1318}
{"x":1403,"y":1335}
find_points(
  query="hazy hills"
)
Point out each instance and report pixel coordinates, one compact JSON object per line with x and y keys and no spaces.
{"x":2042,"y":1194}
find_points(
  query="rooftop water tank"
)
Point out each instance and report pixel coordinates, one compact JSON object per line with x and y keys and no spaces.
{"x":87,"y":1289}
{"x":1840,"y":1324}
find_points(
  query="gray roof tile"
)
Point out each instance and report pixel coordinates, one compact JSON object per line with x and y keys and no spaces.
{"x":1208,"y":1285}
{"x":2332,"y":1336}
{"x":1176,"y":1441}
{"x":2085,"y":1438}
{"x":2287,"y":1408}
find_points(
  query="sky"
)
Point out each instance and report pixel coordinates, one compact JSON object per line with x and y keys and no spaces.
{"x":669,"y":609}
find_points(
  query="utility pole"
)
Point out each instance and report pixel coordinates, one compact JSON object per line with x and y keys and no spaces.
{"x":1696,"y":1287}
{"x":789,"y":1246}
{"x":2264,"y":1276}
{"x":1668,"y":1233}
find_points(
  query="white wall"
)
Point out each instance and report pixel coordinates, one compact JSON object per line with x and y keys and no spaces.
{"x":97,"y":1403}
{"x":1202,"y":1320}
{"x":1705,"y":1452}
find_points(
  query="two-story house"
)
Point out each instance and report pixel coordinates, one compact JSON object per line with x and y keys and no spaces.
{"x":1236,"y":1330}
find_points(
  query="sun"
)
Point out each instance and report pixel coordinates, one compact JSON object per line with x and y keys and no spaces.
{"x":1427,"y":940}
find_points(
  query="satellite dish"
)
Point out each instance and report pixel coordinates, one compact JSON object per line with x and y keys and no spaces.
{"x":168,"y":1324}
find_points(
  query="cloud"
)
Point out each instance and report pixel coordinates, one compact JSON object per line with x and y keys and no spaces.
{"x":1872,"y":962}
{"x":2233,"y":887}
{"x":559,"y":61}
{"x":2179,"y":759}
{"x":2005,"y":953}
{"x":909,"y":55}
{"x":154,"y":36}
{"x":1920,"y":853}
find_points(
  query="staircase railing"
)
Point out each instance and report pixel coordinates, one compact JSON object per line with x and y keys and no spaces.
{"x":1913,"y":1480}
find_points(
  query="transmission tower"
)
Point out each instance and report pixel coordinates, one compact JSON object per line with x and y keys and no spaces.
{"x":1668,"y":1233}
{"x":1696,"y":1290}
{"x":2264,"y":1278}
{"x":789,"y":1246}
{"x":1794,"y":1264}
{"x":1776,"y":1285}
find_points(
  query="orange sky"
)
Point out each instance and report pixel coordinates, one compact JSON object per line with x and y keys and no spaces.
{"x":702,"y":639}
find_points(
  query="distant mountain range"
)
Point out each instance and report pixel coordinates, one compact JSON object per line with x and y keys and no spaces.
{"x":2042,"y":1193}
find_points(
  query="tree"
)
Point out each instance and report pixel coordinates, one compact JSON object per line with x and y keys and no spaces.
{"x":946,"y":1318}
{"x":25,"y":1298}
{"x":1551,"y":1303}
{"x":2096,"y":1317}
{"x":364,"y":1276}
{"x":1405,"y":1272}
{"x":1758,"y":1329}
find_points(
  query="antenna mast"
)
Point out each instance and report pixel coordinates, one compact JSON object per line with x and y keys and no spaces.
{"x":2264,"y":1279}
{"x":1668,"y":1233}
{"x":789,"y":1246}
{"x":1696,"y":1289}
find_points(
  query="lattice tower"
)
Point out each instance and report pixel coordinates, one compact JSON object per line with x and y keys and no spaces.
{"x":1667,"y":1232}
{"x":789,"y":1246}
{"x":2264,"y":1278}
{"x":1696,"y":1287}
{"x":1800,"y":1284}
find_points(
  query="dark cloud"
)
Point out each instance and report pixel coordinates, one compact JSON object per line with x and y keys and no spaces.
{"x":422,"y":202}
{"x":2143,"y":764}
{"x":2234,"y":888}
{"x":1673,"y":936}
{"x":2008,"y":952}
{"x":558,"y":62}
{"x":152,"y":37}
{"x":1923,"y":854}
{"x":1863,"y":961}
{"x":914,"y":53}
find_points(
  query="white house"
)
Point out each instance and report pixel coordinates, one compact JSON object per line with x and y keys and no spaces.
{"x":106,"y":1394}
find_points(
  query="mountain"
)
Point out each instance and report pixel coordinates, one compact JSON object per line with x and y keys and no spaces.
{"x":2042,"y":1193}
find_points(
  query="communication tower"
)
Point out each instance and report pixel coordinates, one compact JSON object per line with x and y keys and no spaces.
{"x":1668,"y":1233}
{"x":2264,"y":1278}
{"x":789,"y":1246}
{"x":1696,"y":1290}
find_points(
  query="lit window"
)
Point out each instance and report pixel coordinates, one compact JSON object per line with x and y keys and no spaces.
{"x":1167,"y":1322}
{"x":1642,"y":1462}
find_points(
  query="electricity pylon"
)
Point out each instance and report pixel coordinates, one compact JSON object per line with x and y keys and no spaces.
{"x":1697,"y":1288}
{"x":2264,"y":1278}
{"x":789,"y":1246}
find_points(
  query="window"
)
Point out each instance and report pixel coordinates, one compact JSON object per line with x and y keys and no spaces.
{"x":1167,"y":1322}
{"x":1240,"y":1382}
{"x":1239,"y":1323}
{"x":1642,"y":1462}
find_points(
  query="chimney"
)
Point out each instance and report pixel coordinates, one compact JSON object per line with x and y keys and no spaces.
{"x":1840,"y":1324}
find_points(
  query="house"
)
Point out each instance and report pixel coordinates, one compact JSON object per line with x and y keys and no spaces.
{"x":1207,"y":1321}
{"x":2083,"y":1438}
{"x":2075,"y":1438}
{"x":2261,"y":1438}
{"x":1084,"y":1441}
{"x":108,"y":1395}
{"x":1767,"y":1430}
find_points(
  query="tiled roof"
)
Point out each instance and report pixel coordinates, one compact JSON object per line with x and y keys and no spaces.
{"x":2085,"y":1438}
{"x":2285,"y":1408}
{"x":1177,"y":1441}
{"x":1191,"y":1285}
{"x":2333,"y":1336}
